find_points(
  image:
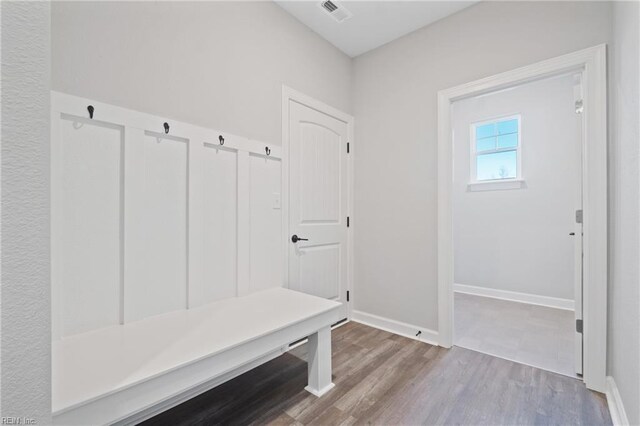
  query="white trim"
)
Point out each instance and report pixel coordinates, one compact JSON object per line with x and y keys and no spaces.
{"x":616,"y":408}
{"x":62,"y":103}
{"x":513,"y":296}
{"x":289,"y":94}
{"x":593,"y":65}
{"x":496,"y":185}
{"x":397,"y":327}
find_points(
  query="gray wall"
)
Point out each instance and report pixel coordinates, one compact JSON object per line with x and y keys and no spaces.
{"x":624,"y":213}
{"x":216,"y":64}
{"x":395,"y":89}
{"x":25,"y":367}
{"x":518,"y":239}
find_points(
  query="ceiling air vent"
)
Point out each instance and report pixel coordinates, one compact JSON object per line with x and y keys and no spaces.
{"x":335,"y":10}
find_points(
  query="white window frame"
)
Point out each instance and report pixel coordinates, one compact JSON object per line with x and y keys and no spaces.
{"x":492,"y":184}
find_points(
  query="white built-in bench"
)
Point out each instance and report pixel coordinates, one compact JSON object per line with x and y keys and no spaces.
{"x":129,"y":372}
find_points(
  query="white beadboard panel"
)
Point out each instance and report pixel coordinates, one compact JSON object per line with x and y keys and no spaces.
{"x":75,"y":105}
{"x":220,"y":226}
{"x":158,"y":260}
{"x":320,"y":270}
{"x":319,"y":152}
{"x":265,"y":243}
{"x":87,"y":224}
{"x":146,"y":222}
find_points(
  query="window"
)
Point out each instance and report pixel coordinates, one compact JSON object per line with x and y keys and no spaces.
{"x":495,"y":150}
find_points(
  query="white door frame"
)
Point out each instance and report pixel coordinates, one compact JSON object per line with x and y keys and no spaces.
{"x":592,"y":62}
{"x":289,"y":94}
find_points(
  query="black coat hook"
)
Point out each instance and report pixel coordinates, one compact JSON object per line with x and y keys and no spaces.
{"x":267,"y":150}
{"x":166,"y":128}
{"x":90,"y":109}
{"x":221,"y":139}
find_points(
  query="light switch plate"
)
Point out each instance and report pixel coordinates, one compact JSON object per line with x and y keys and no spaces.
{"x":276,"y":201}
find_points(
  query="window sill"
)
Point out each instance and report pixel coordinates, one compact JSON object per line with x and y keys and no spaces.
{"x":496,"y":185}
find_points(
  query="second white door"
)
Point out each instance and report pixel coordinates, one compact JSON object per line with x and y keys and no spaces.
{"x":318,"y":204}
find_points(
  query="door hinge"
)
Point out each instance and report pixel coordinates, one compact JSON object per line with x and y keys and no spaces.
{"x":579,"y":326}
{"x":579,"y":216}
{"x":348,"y":221}
{"x":579,"y":106}
{"x":347,"y":147}
{"x":347,"y":295}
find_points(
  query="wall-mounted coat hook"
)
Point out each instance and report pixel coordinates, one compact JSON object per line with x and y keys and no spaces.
{"x":90,"y":108}
{"x":166,"y":128}
{"x":221,"y":139}
{"x":267,"y":150}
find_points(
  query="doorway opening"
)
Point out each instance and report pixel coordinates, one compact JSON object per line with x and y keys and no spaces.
{"x":590,"y":64}
{"x":517,"y":234}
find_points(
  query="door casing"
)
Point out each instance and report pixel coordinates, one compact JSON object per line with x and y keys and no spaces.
{"x":592,"y":63}
{"x":291,"y":95}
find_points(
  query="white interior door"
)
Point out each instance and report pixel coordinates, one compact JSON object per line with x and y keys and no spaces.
{"x":318,"y":198}
{"x":578,"y":298}
{"x":578,"y":249}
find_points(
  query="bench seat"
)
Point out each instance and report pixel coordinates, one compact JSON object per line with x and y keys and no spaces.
{"x":125,"y":372}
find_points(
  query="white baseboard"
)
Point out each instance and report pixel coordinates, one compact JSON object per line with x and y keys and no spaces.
{"x":532,"y":299}
{"x":396,"y":327}
{"x":616,"y":408}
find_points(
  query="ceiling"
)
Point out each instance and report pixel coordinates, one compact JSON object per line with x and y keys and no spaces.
{"x":373,"y":23}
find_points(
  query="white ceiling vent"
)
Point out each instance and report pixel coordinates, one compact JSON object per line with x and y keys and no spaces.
{"x":335,"y":10}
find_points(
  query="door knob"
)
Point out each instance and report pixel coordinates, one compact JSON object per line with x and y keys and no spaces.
{"x":295,"y":239}
{"x":572,"y":233}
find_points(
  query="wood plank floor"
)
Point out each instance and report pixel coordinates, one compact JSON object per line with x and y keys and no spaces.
{"x":385,"y":379}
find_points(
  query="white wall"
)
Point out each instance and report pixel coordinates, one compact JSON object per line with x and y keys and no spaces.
{"x":25,"y":367}
{"x":624,"y":210}
{"x":395,"y":89}
{"x":219,"y":65}
{"x":518,"y":239}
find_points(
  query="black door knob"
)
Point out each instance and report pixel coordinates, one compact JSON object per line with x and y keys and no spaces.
{"x":295,"y":239}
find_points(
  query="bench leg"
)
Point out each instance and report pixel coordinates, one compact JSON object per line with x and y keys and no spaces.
{"x":319,"y":361}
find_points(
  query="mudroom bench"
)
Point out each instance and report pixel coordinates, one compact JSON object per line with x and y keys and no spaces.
{"x":126,"y":373}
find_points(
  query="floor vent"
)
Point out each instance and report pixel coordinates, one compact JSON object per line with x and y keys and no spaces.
{"x":337,"y":11}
